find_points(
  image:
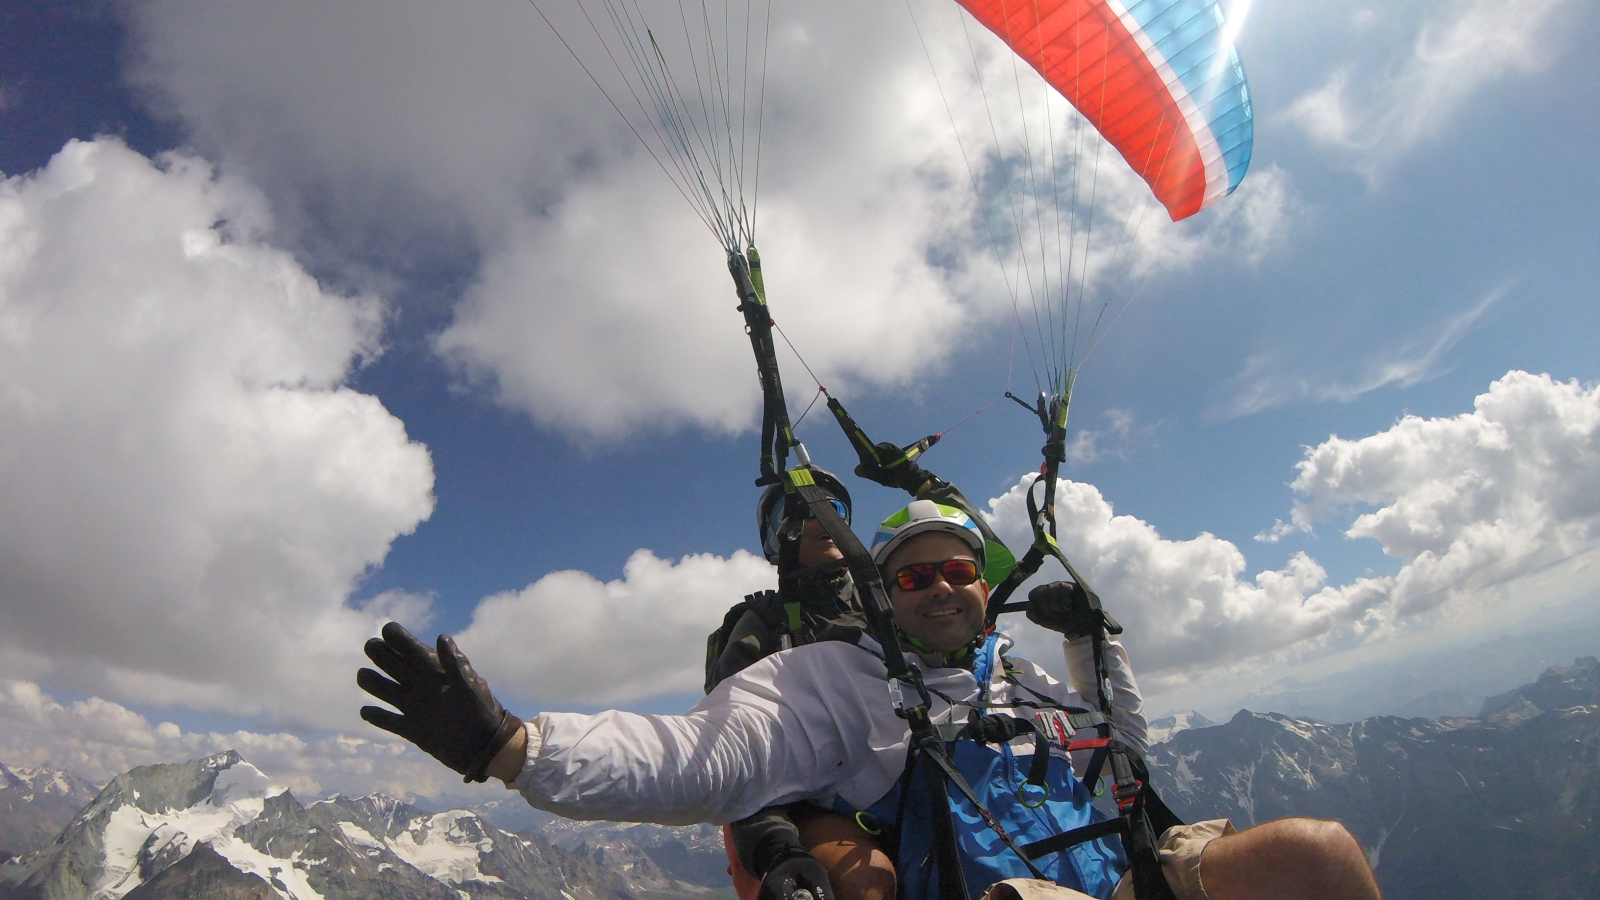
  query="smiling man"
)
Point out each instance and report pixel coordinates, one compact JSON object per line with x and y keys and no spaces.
{"x":815,"y":723}
{"x":774,"y":853}
{"x":932,"y":556}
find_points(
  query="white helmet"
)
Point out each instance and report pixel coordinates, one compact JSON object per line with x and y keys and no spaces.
{"x":921,"y":517}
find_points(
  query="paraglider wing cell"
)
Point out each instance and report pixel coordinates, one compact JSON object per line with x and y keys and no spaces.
{"x":1159,"y":79}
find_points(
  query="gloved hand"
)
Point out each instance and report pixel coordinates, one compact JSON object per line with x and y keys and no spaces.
{"x":792,"y":871}
{"x":892,"y":469}
{"x":1065,"y":607}
{"x":446,"y":708}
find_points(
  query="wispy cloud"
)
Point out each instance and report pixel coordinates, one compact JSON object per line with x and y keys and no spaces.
{"x":1375,"y":113}
{"x":1264,"y":383}
{"x":1280,"y":530}
{"x":1091,"y":445}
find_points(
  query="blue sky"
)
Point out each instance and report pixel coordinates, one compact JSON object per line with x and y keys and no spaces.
{"x":442,"y":344}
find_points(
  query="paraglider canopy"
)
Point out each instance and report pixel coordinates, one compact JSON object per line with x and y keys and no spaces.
{"x":1159,"y":79}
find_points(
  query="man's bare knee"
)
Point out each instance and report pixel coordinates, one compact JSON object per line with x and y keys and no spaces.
{"x":1309,"y":858}
{"x":1314,"y":841}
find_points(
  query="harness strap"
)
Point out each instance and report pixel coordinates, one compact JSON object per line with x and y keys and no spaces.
{"x":954,"y":777}
{"x":1143,"y":820}
{"x":952,"y":880}
{"x":1131,"y":779}
{"x":777,"y":436}
{"x":1058,"y":842}
{"x":880,"y":624}
{"x":1003,"y":730}
{"x":1026,"y":567}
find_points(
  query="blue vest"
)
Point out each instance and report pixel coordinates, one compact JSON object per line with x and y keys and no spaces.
{"x":996,"y":775}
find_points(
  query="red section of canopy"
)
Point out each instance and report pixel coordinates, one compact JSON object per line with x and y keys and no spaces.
{"x":1083,"y":50}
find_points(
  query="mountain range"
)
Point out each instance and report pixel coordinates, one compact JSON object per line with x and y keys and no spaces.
{"x":220,"y":828}
{"x":35,"y":803}
{"x":1500,"y":805}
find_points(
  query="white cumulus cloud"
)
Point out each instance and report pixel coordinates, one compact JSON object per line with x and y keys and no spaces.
{"x":187,"y":492}
{"x":1186,"y":604}
{"x":1472,"y":500}
{"x":1469,"y":504}
{"x":98,"y":739}
{"x":593,"y":300}
{"x":570,"y":639}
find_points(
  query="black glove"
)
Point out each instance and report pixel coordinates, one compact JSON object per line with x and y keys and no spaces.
{"x":1066,"y":607}
{"x":790,"y":871}
{"x":446,"y":708}
{"x":891,"y":469}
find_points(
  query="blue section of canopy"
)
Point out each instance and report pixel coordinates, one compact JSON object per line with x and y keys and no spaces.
{"x":1191,"y":36}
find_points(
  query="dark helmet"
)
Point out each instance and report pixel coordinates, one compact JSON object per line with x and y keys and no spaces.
{"x":769,"y":512}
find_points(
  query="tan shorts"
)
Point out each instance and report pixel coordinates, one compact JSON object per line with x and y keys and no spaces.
{"x":1180,"y":851}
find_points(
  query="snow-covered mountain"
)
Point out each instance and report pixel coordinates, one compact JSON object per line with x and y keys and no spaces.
{"x":1500,"y":806}
{"x":1503,"y":805}
{"x":219,"y":827}
{"x":653,"y":858}
{"x":35,"y":804}
{"x":1164,"y":728}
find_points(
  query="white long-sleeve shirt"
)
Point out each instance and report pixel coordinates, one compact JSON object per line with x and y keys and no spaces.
{"x":811,"y":723}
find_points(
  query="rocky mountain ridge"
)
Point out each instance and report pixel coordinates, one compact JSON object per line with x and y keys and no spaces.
{"x":35,"y":802}
{"x":1499,"y":806}
{"x":220,"y":827}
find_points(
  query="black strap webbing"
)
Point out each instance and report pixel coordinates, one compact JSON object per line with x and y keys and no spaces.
{"x":777,"y":436}
{"x":880,"y":624}
{"x":1057,"y":843}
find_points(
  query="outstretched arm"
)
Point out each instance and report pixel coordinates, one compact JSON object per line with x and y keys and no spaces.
{"x":774,"y":733}
{"x":771,"y":736}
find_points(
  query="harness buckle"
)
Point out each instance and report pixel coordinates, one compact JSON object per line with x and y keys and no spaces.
{"x":897,"y":697}
{"x":1126,"y":794}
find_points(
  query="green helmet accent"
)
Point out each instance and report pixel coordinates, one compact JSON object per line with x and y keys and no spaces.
{"x":999,"y":562}
{"x":922,"y":517}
